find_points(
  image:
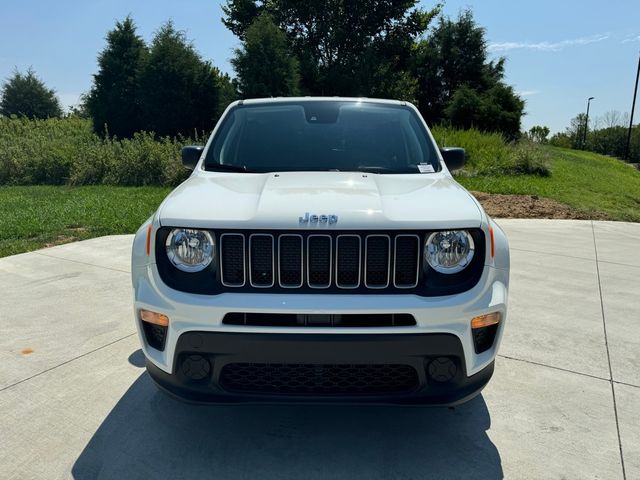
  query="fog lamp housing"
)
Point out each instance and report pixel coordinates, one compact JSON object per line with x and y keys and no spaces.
{"x":154,"y":326}
{"x":484,"y":329}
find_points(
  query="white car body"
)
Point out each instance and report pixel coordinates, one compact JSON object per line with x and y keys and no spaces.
{"x":361,"y":202}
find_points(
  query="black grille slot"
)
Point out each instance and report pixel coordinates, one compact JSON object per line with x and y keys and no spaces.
{"x":377,"y":261}
{"x":348,"y":261}
{"x":261,"y":260}
{"x":407,"y":258}
{"x":318,"y":379}
{"x":320,"y":320}
{"x":290,"y":255}
{"x":319,"y":258}
{"x":232,"y":259}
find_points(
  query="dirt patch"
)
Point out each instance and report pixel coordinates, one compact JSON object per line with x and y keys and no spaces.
{"x":61,"y":240}
{"x":530,"y":206}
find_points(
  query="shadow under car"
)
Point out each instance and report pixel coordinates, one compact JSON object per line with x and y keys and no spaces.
{"x":148,"y":434}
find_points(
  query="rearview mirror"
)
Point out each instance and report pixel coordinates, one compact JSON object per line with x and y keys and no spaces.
{"x":454,"y":157}
{"x":190,"y":156}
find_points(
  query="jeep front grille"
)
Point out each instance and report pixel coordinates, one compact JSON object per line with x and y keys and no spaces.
{"x":320,"y":260}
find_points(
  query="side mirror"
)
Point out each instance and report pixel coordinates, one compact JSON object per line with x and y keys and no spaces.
{"x":453,"y":157}
{"x":190,"y":156}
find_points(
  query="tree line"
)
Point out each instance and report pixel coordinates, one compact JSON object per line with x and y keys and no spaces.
{"x":374,"y":48}
{"x":371,"y":48}
{"x":606,"y":135}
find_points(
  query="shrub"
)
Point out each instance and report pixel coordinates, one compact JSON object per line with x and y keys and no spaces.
{"x":66,"y":151}
{"x":529,"y":159}
{"x":490,"y":154}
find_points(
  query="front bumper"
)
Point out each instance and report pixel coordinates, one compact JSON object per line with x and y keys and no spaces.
{"x":442,"y":329}
{"x":447,"y":314}
{"x":203,"y":360}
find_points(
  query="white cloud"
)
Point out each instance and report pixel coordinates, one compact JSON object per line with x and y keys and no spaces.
{"x":528,"y":93}
{"x":547,"y":46}
{"x":632,"y":38}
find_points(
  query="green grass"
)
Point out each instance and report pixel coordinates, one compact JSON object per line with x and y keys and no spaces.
{"x":35,"y":216}
{"x":585,"y":181}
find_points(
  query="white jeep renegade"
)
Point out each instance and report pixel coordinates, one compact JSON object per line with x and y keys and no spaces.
{"x":321,"y":252}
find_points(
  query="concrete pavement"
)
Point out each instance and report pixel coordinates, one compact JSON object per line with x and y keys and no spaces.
{"x":564,"y":401}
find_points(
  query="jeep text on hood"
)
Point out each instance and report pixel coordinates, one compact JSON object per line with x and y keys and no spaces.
{"x":321,"y":251}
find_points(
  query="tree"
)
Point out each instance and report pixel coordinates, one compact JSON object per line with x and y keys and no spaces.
{"x":464,"y":108}
{"x":381,"y":48}
{"x":612,"y":118}
{"x":538,"y":134}
{"x":496,"y":110}
{"x":180,"y":92}
{"x":26,"y":95}
{"x":561,"y":139}
{"x":114,"y":100}
{"x":80,"y":109}
{"x":264,"y":64}
{"x":344,"y":47}
{"x":575,"y":130}
{"x":227,"y":92}
{"x":457,"y":83}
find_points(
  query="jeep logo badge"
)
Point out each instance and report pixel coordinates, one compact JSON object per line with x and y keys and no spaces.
{"x":313,"y":218}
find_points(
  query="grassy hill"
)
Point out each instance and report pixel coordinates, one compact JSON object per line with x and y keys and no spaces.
{"x":586,"y":181}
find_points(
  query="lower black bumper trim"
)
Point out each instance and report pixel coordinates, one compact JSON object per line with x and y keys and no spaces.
{"x":417,"y":351}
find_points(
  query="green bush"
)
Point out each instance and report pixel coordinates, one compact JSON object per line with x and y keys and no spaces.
{"x":490,"y":154}
{"x":66,"y":151}
{"x":528,"y":158}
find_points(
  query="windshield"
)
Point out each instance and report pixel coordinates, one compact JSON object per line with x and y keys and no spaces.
{"x":322,"y":136}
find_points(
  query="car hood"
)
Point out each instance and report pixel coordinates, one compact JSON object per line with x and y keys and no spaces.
{"x":359,"y":200}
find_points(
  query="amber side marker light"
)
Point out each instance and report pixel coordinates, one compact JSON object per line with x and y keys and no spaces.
{"x":154,"y":317}
{"x":485,"y":320}
{"x":149,"y":240}
{"x":493,"y":248}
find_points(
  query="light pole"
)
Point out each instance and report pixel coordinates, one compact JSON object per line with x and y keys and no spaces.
{"x":586,"y":123}
{"x":627,"y":152}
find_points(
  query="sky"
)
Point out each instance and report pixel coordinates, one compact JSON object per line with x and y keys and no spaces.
{"x":558,"y":52}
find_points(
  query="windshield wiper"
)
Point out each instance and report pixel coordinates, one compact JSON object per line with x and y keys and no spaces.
{"x":376,"y":169}
{"x":224,"y":167}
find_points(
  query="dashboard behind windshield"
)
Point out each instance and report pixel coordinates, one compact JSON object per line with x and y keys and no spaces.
{"x":322,"y":136}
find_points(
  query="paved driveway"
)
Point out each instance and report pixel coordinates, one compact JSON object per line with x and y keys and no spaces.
{"x":564,"y":401}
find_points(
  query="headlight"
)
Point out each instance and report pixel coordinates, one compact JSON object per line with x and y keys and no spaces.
{"x":190,"y":250}
{"x":449,"y":251}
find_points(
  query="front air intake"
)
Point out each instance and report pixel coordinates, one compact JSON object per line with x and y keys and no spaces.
{"x":351,"y":320}
{"x":318,"y":379}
